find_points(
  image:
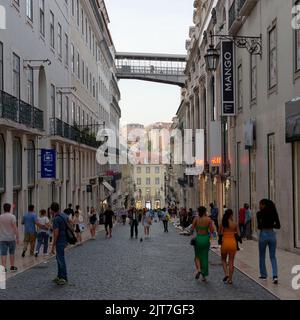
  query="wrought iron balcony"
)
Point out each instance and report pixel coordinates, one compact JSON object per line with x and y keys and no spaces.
{"x":16,"y":110}
{"x":64,"y":130}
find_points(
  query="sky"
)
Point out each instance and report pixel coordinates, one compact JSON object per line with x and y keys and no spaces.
{"x":152,"y":26}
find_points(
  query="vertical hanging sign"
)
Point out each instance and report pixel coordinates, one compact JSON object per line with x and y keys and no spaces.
{"x":228,"y":85}
{"x":48,"y":163}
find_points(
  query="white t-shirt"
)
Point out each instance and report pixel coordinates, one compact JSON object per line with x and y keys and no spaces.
{"x":43,"y":221}
{"x":7,"y":221}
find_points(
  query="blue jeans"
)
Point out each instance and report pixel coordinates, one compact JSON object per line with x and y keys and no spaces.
{"x":7,"y":246}
{"x":267,"y":238}
{"x":61,"y":262}
{"x":242,"y":227}
{"x":42,"y":239}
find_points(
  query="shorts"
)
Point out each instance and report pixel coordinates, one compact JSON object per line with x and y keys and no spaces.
{"x":7,"y":246}
{"x":109,"y":224}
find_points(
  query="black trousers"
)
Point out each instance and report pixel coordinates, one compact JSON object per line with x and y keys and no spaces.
{"x":165,"y":225}
{"x":216,"y":224}
{"x":134,"y":227}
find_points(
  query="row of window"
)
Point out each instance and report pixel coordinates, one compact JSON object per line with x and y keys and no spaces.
{"x":75,"y":114}
{"x":77,"y":65}
{"x":148,"y":169}
{"x":80,"y":68}
{"x":148,"y":181}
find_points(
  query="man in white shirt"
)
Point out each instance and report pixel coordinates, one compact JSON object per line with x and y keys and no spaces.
{"x":9,"y":237}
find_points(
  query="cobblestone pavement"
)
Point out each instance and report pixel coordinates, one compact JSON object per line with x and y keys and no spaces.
{"x":120,"y":268}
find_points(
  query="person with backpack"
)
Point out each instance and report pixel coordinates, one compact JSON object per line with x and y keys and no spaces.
{"x":60,"y":240}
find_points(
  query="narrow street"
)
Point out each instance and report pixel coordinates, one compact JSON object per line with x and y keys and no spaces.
{"x":120,"y":268}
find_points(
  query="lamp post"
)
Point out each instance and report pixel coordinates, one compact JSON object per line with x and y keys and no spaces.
{"x":252,"y":44}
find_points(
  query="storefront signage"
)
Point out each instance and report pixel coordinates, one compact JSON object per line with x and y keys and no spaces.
{"x":48,"y":163}
{"x":228,"y":83}
{"x":215,"y":161}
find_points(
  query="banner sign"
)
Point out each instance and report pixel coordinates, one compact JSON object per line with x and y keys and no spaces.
{"x":48,"y":164}
{"x":228,"y":83}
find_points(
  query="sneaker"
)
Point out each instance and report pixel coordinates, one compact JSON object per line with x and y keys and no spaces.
{"x":275,"y":280}
{"x":56,"y":280}
{"x":13,"y":269}
{"x":23,"y":254}
{"x":61,"y":282}
{"x":262,"y":278}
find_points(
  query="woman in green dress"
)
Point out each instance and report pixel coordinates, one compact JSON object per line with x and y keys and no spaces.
{"x":203,"y":226}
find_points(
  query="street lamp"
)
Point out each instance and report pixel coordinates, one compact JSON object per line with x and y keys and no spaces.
{"x":211,"y":58}
{"x":212,"y":55}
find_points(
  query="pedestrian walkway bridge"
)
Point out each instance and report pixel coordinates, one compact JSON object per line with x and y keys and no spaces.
{"x":162,"y":68}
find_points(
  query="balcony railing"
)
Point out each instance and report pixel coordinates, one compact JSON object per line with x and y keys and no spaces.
{"x":238,"y":9}
{"x":64,"y":130}
{"x":16,"y":110}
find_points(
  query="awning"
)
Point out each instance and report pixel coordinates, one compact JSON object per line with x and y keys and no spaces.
{"x":108,"y":186}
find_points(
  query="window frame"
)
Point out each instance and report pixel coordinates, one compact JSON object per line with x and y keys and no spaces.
{"x":253,"y":78}
{"x":59,"y":40}
{"x":16,"y":73}
{"x":52,"y":30}
{"x":17,"y":174}
{"x":29,"y":10}
{"x":272,"y":87}
{"x":30,"y":86}
{"x":42,"y":17}
{"x":31,"y":152}
{"x":240,"y":93}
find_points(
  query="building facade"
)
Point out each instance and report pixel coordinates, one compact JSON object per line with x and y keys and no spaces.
{"x":248,"y":156}
{"x":55,"y":94}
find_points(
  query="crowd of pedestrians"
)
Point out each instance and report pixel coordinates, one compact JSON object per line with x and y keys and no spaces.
{"x":50,"y":228}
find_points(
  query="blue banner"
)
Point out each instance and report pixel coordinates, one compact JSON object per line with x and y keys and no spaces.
{"x":48,"y":163}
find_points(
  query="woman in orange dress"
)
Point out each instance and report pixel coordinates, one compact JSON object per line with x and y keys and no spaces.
{"x":228,"y":232}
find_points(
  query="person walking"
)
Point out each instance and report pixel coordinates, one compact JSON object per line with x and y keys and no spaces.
{"x":203,"y":225}
{"x":9,"y":237}
{"x":79,"y":226}
{"x":214,"y":215}
{"x":59,"y":243}
{"x":30,"y":222}
{"x":242,"y":220}
{"x":123,"y":215}
{"x":42,"y":233}
{"x":165,"y":219}
{"x":147,"y":222}
{"x":69,"y":211}
{"x":267,"y":221}
{"x":248,"y":232}
{"x":92,"y":215}
{"x":228,"y":234}
{"x":109,"y":214}
{"x":134,"y":222}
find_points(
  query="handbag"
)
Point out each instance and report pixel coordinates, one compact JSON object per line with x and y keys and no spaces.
{"x":193,"y":242}
{"x":220,"y":240}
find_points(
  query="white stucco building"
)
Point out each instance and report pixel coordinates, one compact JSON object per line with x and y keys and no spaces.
{"x":58,"y":105}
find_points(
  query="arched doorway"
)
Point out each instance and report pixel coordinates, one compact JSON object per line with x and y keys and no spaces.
{"x":43,"y":95}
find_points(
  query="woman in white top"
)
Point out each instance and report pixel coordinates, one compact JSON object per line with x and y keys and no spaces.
{"x":42,"y":233}
{"x":146,"y":222}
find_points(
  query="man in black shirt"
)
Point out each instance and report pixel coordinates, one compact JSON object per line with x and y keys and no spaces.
{"x":108,"y":215}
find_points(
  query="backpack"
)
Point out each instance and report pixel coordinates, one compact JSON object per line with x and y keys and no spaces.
{"x":70,"y":235}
